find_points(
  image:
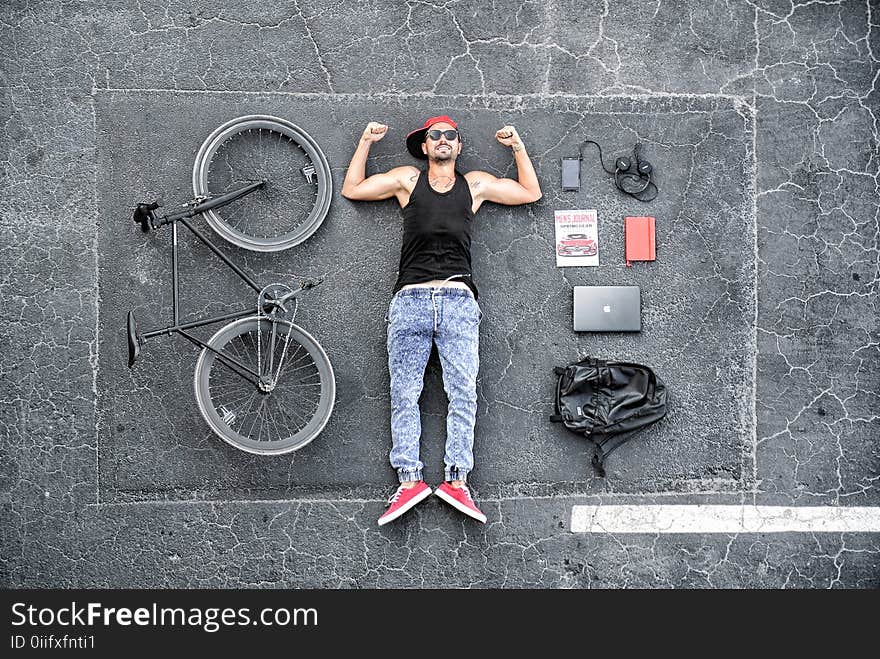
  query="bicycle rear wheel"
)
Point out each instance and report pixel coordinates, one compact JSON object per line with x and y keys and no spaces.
{"x":296,"y":197}
{"x":285,"y":418}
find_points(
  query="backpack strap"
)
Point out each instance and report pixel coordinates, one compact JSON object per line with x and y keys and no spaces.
{"x":557,"y":417}
{"x":598,"y":460}
{"x":612,"y":442}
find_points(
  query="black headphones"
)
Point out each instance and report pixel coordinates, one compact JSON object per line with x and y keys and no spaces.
{"x":631,"y":176}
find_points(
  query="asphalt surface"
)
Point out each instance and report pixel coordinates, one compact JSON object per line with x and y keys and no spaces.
{"x":760,"y":313}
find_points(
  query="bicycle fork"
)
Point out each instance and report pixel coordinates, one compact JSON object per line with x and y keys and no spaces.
{"x":270,"y":375}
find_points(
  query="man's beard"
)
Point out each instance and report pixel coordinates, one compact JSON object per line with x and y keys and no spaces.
{"x":443,"y":156}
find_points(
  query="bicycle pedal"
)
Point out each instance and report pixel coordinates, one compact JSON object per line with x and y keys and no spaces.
{"x":309,"y":172}
{"x":135,"y":342}
{"x":227,"y":415}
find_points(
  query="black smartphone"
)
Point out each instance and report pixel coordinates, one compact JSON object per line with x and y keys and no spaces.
{"x":571,"y":174}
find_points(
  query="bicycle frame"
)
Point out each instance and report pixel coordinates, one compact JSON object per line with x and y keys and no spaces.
{"x":148,"y":217}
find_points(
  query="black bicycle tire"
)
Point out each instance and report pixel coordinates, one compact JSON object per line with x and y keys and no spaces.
{"x":201,"y":383}
{"x":305,"y":141}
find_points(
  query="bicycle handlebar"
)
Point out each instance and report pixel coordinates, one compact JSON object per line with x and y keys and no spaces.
{"x":145,"y":215}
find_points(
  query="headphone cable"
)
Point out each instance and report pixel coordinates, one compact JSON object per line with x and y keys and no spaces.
{"x":601,"y":158}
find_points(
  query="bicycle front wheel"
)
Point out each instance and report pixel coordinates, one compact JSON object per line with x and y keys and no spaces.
{"x":296,"y":197}
{"x":286,"y":412}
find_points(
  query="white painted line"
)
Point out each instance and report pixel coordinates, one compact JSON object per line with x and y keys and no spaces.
{"x":725,"y":519}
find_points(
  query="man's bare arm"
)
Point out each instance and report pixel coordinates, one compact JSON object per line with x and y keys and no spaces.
{"x":526,"y":189}
{"x":357,"y":185}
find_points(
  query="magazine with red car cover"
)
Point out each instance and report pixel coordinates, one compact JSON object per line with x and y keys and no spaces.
{"x":577,"y":238}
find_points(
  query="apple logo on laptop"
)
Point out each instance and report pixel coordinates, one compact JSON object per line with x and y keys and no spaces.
{"x":607,"y":308}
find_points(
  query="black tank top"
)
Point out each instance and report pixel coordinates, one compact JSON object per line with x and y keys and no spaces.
{"x":437,"y":234}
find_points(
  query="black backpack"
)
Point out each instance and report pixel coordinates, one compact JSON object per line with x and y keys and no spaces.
{"x":607,"y":401}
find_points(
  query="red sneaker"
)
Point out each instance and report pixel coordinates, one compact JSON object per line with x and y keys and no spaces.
{"x":460,"y":497}
{"x":404,"y":499}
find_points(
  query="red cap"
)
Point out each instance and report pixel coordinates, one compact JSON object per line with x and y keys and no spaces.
{"x":414,"y":139}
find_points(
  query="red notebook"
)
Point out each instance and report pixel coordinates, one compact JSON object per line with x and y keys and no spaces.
{"x":639,"y":239}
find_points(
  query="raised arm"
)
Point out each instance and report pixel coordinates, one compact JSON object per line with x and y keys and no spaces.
{"x":524,"y":190}
{"x":357,"y":185}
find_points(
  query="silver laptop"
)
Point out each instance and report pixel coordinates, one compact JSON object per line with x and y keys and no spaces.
{"x":607,"y":309}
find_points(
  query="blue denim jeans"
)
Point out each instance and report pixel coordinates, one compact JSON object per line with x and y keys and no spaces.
{"x":449,"y":317}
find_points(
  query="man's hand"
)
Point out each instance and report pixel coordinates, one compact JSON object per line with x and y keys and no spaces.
{"x":508,"y":136}
{"x":374,"y":132}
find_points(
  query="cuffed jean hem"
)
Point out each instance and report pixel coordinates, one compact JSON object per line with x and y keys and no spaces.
{"x":455,"y":474}
{"x":404,"y":476}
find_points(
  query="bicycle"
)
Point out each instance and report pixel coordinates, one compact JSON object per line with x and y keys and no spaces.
{"x":262,"y":383}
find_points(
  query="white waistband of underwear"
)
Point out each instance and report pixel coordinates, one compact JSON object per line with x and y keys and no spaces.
{"x":437,"y":283}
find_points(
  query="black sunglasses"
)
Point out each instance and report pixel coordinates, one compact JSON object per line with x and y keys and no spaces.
{"x":448,"y":134}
